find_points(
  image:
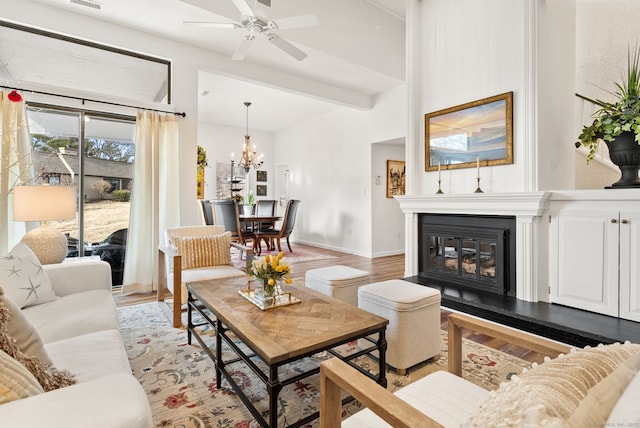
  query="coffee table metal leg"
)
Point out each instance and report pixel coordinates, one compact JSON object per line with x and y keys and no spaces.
{"x":218,"y":362}
{"x":189,"y":321}
{"x":382,"y":360}
{"x":273,"y":389}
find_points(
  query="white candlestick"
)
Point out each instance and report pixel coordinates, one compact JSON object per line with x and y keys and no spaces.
{"x":438,"y":170}
{"x":478,"y":165}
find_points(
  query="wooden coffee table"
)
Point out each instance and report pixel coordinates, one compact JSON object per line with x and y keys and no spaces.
{"x":281,"y":335}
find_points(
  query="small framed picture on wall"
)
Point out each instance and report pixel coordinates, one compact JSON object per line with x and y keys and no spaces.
{"x":261,"y":175}
{"x":261,"y":189}
{"x":395,"y":178}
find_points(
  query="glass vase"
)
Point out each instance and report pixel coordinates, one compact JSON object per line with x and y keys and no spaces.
{"x":265,"y":293}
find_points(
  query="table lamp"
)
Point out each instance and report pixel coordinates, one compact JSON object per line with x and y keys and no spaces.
{"x":45,"y":203}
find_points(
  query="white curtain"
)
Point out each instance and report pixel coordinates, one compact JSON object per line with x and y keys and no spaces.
{"x":16,"y":164}
{"x":154,"y":198}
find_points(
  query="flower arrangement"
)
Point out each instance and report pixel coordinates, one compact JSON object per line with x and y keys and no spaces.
{"x":270,"y":269}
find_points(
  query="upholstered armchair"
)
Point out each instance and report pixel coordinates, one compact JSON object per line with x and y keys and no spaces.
{"x":190,"y":254}
{"x":594,"y":386}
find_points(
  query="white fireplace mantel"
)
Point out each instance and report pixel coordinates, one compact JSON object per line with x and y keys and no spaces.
{"x":528,"y":209}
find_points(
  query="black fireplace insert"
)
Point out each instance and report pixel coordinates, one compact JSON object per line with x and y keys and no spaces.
{"x":473,"y":251}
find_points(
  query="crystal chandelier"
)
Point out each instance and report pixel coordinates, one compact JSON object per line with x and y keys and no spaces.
{"x":248,"y":159}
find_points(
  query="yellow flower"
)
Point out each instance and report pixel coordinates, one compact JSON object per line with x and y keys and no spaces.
{"x":288,"y":281}
{"x":280,"y":255}
{"x":271,"y":281}
{"x":267,"y":258}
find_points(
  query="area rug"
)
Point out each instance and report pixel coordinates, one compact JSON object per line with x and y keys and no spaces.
{"x":297,"y":256}
{"x":179,"y":379}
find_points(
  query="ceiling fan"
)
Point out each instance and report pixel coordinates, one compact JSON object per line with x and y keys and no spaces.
{"x":262,"y":25}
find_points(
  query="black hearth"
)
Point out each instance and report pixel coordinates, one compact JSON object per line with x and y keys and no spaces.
{"x":468,"y":251}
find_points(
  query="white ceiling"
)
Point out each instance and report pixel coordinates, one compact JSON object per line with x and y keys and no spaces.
{"x":356,"y":52}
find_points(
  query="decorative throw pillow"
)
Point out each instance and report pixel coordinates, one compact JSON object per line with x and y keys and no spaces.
{"x":49,"y":378}
{"x":576,"y":389}
{"x":16,"y":381}
{"x":203,"y":251}
{"x":22,"y":332}
{"x":23,"y":278}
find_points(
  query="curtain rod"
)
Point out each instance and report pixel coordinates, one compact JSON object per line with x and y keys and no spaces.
{"x":183,"y":114}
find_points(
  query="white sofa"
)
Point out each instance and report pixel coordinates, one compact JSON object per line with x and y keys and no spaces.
{"x":591,"y":387}
{"x":80,"y":332}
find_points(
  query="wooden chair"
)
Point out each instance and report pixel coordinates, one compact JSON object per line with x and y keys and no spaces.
{"x":335,"y":376}
{"x":172,"y":276}
{"x":288,"y":222}
{"x":227,"y":214}
{"x":266,"y":207}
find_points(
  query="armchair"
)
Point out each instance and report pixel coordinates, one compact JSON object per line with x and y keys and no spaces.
{"x":190,"y":254}
{"x":567,"y":391}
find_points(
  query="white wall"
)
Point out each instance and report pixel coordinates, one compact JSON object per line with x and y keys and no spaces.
{"x":473,"y":49}
{"x":387,"y":220}
{"x":330,"y":159}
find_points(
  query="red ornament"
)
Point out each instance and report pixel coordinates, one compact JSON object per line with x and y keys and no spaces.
{"x":14,"y":96}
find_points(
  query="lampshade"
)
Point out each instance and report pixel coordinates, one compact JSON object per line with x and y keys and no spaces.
{"x":45,"y":203}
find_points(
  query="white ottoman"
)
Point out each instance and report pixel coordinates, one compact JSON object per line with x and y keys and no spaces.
{"x":337,"y":281}
{"x":413,"y":311}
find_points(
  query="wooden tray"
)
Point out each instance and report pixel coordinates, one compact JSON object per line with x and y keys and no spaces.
{"x":284,"y":299}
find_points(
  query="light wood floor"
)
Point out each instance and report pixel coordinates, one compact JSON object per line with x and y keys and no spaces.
{"x":382,"y":268}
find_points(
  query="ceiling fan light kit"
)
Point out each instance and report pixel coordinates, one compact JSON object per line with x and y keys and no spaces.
{"x":267,"y":27}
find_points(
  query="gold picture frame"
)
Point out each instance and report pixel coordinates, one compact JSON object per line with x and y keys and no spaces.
{"x":396,"y":178}
{"x":479,"y":133}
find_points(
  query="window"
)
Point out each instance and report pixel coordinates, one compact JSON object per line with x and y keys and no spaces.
{"x":59,"y":138}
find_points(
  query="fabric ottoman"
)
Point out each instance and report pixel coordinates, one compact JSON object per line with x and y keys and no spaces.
{"x":340,"y":282}
{"x":413,"y":311}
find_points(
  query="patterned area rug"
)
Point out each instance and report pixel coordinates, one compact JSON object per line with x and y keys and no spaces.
{"x":180,"y":379}
{"x":298,"y":255}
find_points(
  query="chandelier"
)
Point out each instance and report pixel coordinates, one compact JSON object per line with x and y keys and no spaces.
{"x":248,"y":159}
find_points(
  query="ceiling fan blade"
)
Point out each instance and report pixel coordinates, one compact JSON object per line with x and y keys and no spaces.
{"x":243,"y":7}
{"x":287,"y":47}
{"x":297,"y":22}
{"x":242,"y":49}
{"x":205,"y":24}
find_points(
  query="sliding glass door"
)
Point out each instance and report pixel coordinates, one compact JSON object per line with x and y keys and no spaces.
{"x":94,"y":152}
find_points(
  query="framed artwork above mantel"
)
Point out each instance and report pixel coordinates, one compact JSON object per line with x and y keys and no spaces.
{"x":478,"y":133}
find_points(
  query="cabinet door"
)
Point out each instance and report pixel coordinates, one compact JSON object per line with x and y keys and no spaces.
{"x":586,"y":257}
{"x":630,"y":265}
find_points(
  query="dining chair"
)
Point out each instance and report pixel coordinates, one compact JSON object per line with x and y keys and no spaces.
{"x":288,"y":222}
{"x":266,"y":207}
{"x":207,"y":212}
{"x":227,"y":213}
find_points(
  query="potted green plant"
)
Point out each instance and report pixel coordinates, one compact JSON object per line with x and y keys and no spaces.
{"x":618,"y":125}
{"x":248,"y":204}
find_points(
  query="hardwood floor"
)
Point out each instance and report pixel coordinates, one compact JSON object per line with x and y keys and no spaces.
{"x":382,"y":268}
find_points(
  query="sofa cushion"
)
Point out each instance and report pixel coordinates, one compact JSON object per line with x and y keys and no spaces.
{"x":444,"y":397}
{"x":576,"y":389}
{"x":74,"y":315}
{"x":202,"y":251}
{"x":23,"y":278}
{"x":92,"y":355}
{"x":49,"y":377}
{"x":21,"y":330}
{"x":16,"y":382}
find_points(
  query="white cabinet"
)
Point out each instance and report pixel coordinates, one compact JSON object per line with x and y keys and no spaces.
{"x":594,"y":261}
{"x":630,"y":265}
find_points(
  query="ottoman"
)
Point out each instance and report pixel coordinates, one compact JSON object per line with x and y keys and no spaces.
{"x":413,"y":311}
{"x":337,"y":281}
